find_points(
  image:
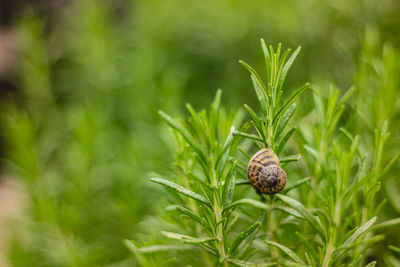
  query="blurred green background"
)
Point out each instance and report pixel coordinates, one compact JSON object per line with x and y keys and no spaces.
{"x":81,"y":83}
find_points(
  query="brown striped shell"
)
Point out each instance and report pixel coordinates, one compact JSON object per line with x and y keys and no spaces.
{"x":265,"y":173}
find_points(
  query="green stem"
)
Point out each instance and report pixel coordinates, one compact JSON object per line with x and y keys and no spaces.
{"x":329,"y":252}
{"x":218,"y":216}
{"x":192,"y":206}
{"x":364,"y":216}
{"x":220,"y":233}
{"x":330,"y":248}
{"x":271,"y":230}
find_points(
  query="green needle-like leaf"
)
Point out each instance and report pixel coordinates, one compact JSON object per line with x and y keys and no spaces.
{"x":298,"y":183}
{"x":242,"y":236}
{"x":250,"y":136}
{"x":288,"y":251}
{"x":285,"y":120}
{"x":188,"y":239}
{"x":186,"y":135}
{"x":284,"y":140}
{"x":195,"y":217}
{"x":254,"y":116}
{"x":361,"y":230}
{"x":289,"y":211}
{"x":263,"y":98}
{"x":388,"y":223}
{"x":267,"y":57}
{"x":217,"y":101}
{"x":181,"y":190}
{"x":290,"y":101}
{"x":287,"y":66}
{"x":259,"y":87}
{"x":394,"y":248}
{"x":242,"y":181}
{"x":163,"y":248}
{"x":288,"y":159}
{"x":303,"y":211}
{"x":309,"y":247}
{"x":388,"y":166}
{"x":248,"y":201}
{"x":221,"y":161}
{"x":229,"y":186}
{"x":249,"y":264}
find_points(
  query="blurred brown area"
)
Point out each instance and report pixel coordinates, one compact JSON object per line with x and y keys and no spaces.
{"x":9,"y":12}
{"x":12,"y":201}
{"x":8,"y":45}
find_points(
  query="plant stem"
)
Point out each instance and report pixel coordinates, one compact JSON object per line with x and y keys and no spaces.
{"x":328,"y":254}
{"x":364,"y":216}
{"x":271,"y":230}
{"x":192,"y":205}
{"x":218,"y":215}
{"x":220,"y":236}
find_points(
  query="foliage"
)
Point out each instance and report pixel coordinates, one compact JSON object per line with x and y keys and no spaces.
{"x":339,"y":211}
{"x":82,"y":133}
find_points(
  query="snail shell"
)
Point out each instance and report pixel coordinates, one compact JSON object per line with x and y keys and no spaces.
{"x":265,"y":173}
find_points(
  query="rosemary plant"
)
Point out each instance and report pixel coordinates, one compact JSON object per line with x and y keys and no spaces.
{"x":204,"y":184}
{"x":329,"y":221}
{"x":275,"y":116}
{"x":205,"y":174}
{"x":344,"y":184}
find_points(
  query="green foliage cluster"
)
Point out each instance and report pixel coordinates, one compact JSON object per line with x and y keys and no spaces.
{"x":83,"y":136}
{"x":335,"y":224}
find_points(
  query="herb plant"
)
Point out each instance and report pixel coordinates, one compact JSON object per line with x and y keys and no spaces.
{"x":326,"y":219}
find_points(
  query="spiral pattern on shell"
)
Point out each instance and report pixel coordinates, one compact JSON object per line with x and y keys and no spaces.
{"x":265,"y":173}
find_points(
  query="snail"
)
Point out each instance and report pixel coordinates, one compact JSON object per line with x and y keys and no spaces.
{"x":265,"y":173}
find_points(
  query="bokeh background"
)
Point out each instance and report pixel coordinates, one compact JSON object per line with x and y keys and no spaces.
{"x":81,"y":82}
